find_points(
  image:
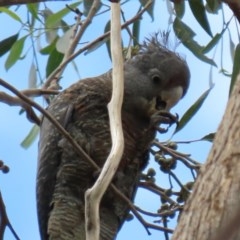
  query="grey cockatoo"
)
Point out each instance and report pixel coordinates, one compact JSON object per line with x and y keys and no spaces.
{"x":155,"y":80}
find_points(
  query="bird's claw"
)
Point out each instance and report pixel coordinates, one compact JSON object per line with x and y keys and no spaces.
{"x":163,"y":117}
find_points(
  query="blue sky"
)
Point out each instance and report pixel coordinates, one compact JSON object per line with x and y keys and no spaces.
{"x":18,"y":186}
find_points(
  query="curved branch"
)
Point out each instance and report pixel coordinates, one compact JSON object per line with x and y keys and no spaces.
{"x":4,"y":221}
{"x":94,"y":195}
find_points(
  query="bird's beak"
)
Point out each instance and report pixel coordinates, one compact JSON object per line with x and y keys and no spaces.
{"x":171,"y":97}
{"x":165,"y":101}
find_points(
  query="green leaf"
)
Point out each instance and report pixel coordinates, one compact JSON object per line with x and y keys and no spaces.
{"x":49,"y":48}
{"x":29,"y":139}
{"x":150,"y":8}
{"x":97,"y":45}
{"x":106,"y":29}
{"x":64,"y":41}
{"x":232,"y":45}
{"x":54,"y":60}
{"x":56,"y":18}
{"x":6,"y":44}
{"x":209,"y":137}
{"x":64,"y":26}
{"x":32,"y":77}
{"x":11,"y":14}
{"x":182,"y":30}
{"x":136,"y":32}
{"x":188,"y":115}
{"x":213,"y":42}
{"x":213,"y":6}
{"x":87,"y":4}
{"x":236,"y":68}
{"x":199,"y":13}
{"x":33,"y":9}
{"x":51,"y":33}
{"x":15,"y":53}
{"x":179,"y":8}
{"x":75,"y":67}
{"x":186,"y":34}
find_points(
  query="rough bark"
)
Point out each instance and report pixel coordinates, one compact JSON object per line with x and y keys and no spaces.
{"x":214,"y":203}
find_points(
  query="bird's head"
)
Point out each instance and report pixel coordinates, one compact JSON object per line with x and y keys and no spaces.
{"x":155,"y":79}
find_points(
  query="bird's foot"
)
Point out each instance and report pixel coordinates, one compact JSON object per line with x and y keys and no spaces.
{"x":163,"y":117}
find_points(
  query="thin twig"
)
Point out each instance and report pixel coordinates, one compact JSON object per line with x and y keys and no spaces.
{"x":177,"y":155}
{"x":14,"y":101}
{"x":157,"y":190}
{"x":4,"y":221}
{"x":173,"y":175}
{"x":39,"y":92}
{"x":163,"y":214}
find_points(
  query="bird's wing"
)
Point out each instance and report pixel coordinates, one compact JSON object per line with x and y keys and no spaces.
{"x":49,"y":159}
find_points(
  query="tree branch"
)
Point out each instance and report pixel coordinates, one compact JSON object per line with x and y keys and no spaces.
{"x":15,"y":101}
{"x":14,"y":2}
{"x":4,"y":221}
{"x":94,"y":195}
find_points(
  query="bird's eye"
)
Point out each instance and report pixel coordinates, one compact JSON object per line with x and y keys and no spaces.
{"x":156,"y":79}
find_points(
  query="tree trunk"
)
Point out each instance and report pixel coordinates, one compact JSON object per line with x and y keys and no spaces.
{"x":212,"y":210}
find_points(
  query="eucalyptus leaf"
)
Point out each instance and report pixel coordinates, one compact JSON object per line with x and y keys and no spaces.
{"x":51,"y":32}
{"x":49,"y":48}
{"x":236,"y":68}
{"x":55,"y":18}
{"x":186,"y":34}
{"x":32,"y":77}
{"x":6,"y":44}
{"x":209,"y":137}
{"x":149,"y":9}
{"x":64,"y":41}
{"x":55,"y":58}
{"x":199,"y":13}
{"x":33,"y":9}
{"x":107,"y":29}
{"x":136,"y":32}
{"x":11,"y":14}
{"x":29,"y":139}
{"x":15,"y":53}
{"x":212,"y":43}
{"x":179,"y":7}
{"x":213,"y":6}
{"x":231,"y":46}
{"x":188,"y":115}
{"x":87,"y":4}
